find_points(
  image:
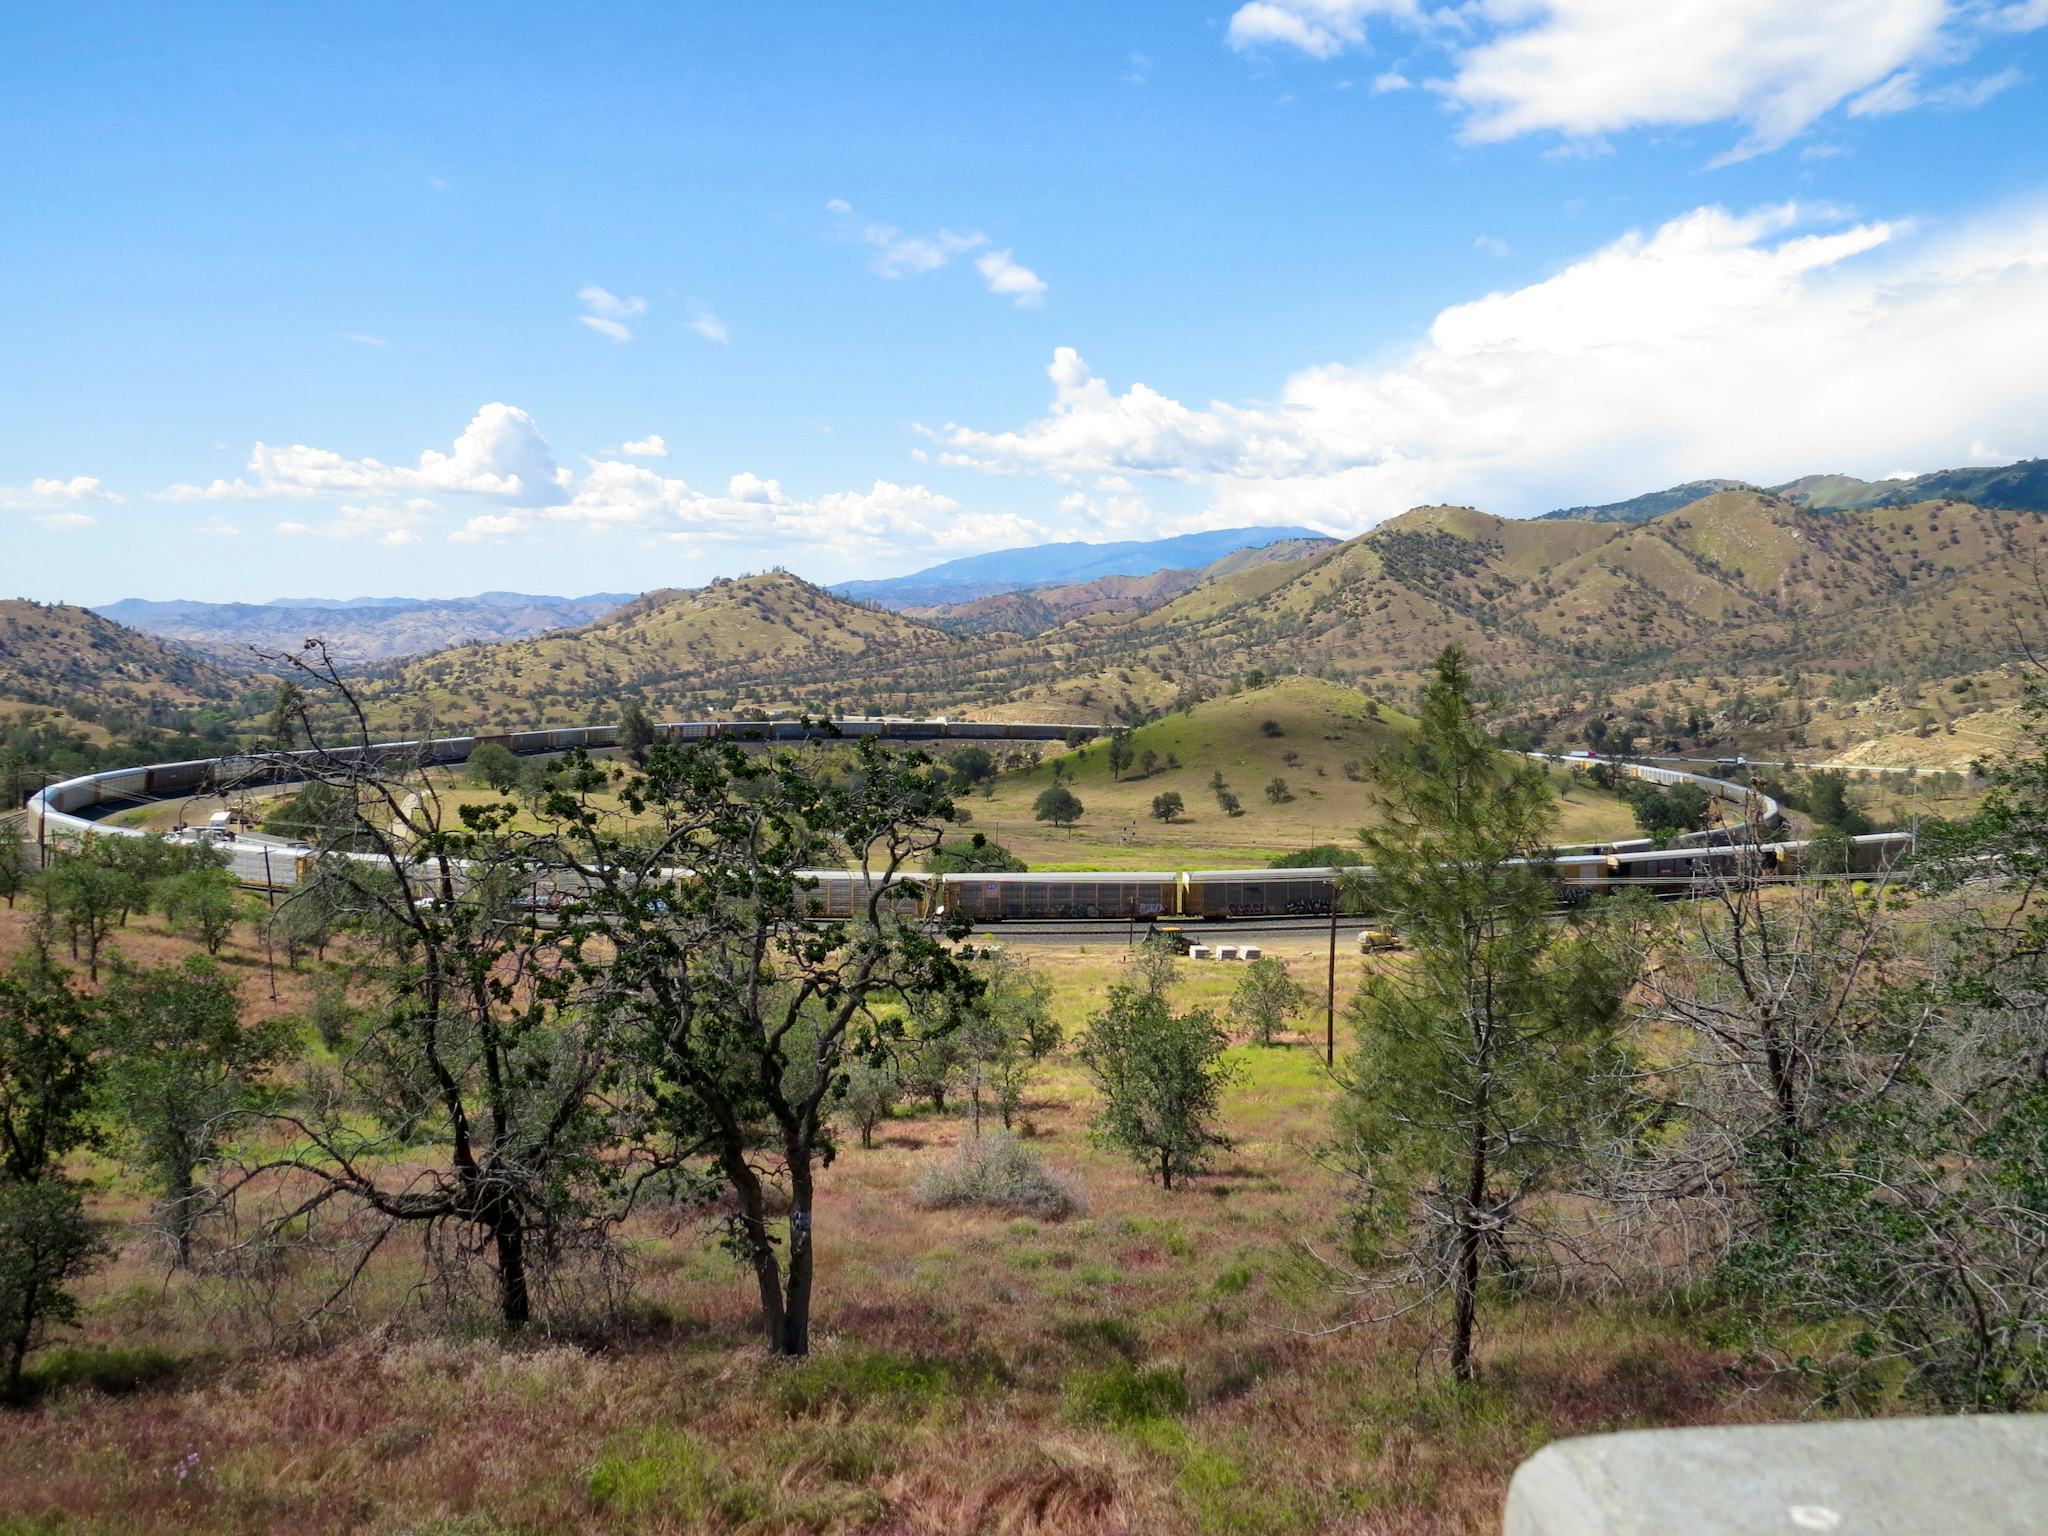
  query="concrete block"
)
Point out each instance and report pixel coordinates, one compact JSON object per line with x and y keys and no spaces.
{"x":1985,"y":1475}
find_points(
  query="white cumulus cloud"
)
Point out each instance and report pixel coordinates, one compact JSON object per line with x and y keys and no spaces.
{"x":49,"y":491}
{"x":500,"y":454}
{"x":1758,"y":345}
{"x":652,"y":446}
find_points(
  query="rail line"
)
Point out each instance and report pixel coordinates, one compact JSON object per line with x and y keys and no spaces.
{"x":72,"y":810}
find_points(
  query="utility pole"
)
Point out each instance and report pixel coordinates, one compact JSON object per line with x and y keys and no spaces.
{"x":1330,"y":997}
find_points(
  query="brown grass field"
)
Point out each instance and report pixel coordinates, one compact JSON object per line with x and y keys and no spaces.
{"x":1160,"y":1363}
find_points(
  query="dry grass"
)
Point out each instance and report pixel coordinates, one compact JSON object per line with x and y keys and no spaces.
{"x":1154,"y":1365}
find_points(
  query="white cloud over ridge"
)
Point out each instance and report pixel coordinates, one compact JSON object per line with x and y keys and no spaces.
{"x":1762,"y":345}
{"x":1584,"y":68}
{"x":501,"y":454}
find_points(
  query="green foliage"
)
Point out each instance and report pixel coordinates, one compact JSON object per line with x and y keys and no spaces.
{"x":1485,"y":1062}
{"x":1678,"y":808}
{"x":1058,"y":805}
{"x":1161,"y":1075}
{"x":203,"y":904}
{"x":746,"y":1005}
{"x":636,"y":729}
{"x":873,"y":1088}
{"x":1228,"y":803}
{"x":1168,"y":806}
{"x":1121,"y":753}
{"x":15,"y":865}
{"x":998,"y":1172}
{"x":1321,"y":856}
{"x":88,"y":894}
{"x":49,"y":1037}
{"x":1277,"y":790}
{"x":971,"y":765}
{"x":46,"y":1243}
{"x":493,"y":765}
{"x":978,"y":855}
{"x":182,"y":1068}
{"x":1266,"y":999}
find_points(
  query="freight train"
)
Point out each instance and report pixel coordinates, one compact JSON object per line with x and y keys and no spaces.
{"x":75,"y":808}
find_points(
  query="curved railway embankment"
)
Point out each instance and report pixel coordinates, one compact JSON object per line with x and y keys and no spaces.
{"x":74,"y":809}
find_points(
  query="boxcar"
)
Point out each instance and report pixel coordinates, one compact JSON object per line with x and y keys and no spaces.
{"x":992,"y":898}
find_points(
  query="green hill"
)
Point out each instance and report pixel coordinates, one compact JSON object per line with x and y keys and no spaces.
{"x":1322,"y":740}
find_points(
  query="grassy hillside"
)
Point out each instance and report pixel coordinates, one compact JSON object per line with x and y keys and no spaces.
{"x":770,"y":641}
{"x":1326,"y":734}
{"x":1756,"y":608}
{"x":91,"y":669}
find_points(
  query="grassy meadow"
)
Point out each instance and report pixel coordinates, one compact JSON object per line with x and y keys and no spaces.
{"x":1157,"y":1363}
{"x":1320,"y":730}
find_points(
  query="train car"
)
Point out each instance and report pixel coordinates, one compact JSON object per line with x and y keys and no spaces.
{"x":1218,"y":894}
{"x":996,"y":898}
{"x":843,"y":892}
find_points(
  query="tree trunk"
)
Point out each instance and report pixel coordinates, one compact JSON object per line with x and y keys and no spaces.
{"x":184,"y":1197}
{"x":507,"y":1236}
{"x":1465,"y":1276}
{"x":1166,"y":1169}
{"x":760,"y":1251}
{"x":17,"y":1347}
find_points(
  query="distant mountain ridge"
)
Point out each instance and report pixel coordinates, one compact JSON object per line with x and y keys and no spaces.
{"x":1047,"y":565}
{"x":2021,"y":487}
{"x":361,"y":631}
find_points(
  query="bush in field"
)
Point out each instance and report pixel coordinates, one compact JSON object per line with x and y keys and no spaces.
{"x":492,"y":765}
{"x":1168,"y":807}
{"x":1058,"y":805}
{"x":873,"y":1089}
{"x":1266,"y":999}
{"x":202,"y":904}
{"x":1000,"y":1172}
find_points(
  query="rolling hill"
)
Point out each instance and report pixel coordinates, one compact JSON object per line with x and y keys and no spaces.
{"x":771,"y":641}
{"x":93,"y":670}
{"x":1752,"y":616}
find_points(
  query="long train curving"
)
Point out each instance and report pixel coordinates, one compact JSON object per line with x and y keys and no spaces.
{"x":74,"y":809}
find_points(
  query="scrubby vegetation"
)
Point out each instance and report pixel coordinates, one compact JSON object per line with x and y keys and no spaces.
{"x":486,"y":1221}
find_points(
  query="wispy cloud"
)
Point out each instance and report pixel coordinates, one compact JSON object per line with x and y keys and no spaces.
{"x":899,"y":255}
{"x":1010,"y":278}
{"x":607,"y":313}
{"x":362,"y":340}
{"x":711,"y":328}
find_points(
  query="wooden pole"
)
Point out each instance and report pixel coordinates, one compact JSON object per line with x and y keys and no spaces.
{"x":1330,"y":1001}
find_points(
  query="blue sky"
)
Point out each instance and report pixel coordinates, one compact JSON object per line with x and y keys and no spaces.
{"x":434,"y":299}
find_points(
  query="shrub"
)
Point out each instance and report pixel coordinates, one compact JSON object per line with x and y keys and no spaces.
{"x":1000,"y":1172}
